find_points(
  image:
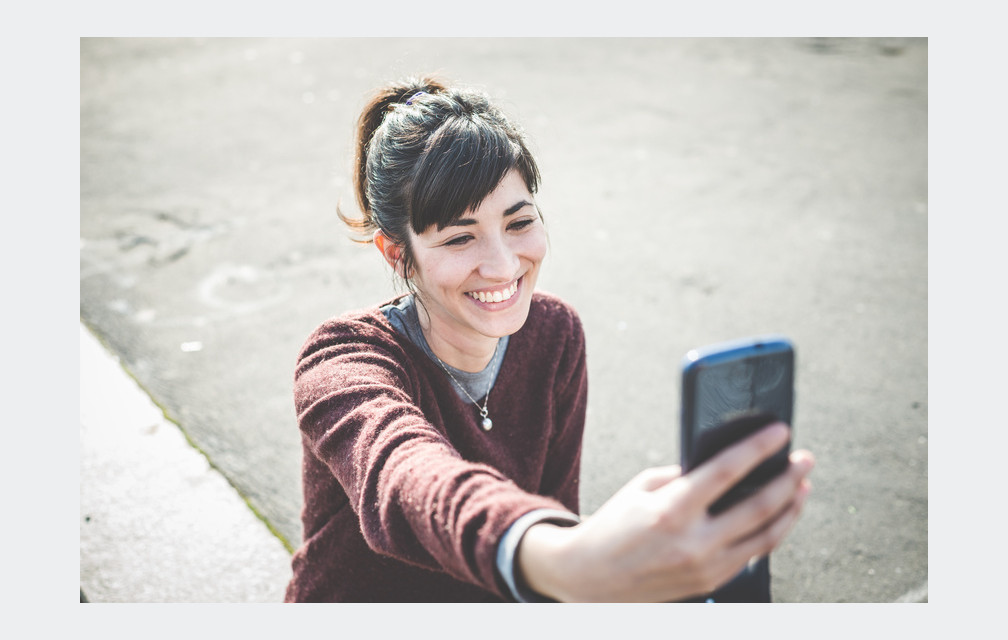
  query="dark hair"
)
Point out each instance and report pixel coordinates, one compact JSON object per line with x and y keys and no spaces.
{"x":425,"y":154}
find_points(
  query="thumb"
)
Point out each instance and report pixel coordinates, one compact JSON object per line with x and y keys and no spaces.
{"x":656,"y":477}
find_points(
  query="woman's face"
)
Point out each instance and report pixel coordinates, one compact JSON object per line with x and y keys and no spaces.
{"x":475,"y":278}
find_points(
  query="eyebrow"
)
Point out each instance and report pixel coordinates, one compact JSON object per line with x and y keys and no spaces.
{"x":468,"y":222}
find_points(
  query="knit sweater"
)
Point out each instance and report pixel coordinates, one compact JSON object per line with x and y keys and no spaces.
{"x":405,"y":497}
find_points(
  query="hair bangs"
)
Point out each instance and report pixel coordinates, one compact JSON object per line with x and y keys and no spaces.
{"x":463,"y":163}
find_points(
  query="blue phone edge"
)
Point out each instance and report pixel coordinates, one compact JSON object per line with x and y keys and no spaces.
{"x":731,"y":349}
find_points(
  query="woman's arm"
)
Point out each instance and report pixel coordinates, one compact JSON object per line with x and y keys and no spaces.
{"x":416,"y":498}
{"x":654,"y":541}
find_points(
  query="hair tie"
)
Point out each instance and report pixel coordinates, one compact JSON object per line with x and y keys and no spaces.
{"x":414,"y":96}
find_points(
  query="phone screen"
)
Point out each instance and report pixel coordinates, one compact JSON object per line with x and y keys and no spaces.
{"x":755,"y":383}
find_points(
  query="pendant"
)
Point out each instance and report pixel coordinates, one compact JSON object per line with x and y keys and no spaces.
{"x":487,"y":423}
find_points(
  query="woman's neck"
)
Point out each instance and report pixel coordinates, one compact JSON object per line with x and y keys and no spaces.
{"x":467,"y":353}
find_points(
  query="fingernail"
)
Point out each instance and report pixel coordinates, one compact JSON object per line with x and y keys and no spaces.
{"x":803,"y":460}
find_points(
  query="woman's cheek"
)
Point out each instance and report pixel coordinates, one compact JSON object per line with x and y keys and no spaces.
{"x":535,"y":247}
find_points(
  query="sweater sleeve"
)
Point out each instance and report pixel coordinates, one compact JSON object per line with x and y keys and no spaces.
{"x":416,"y":498}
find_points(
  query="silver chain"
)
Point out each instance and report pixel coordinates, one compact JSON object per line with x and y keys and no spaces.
{"x":487,"y":423}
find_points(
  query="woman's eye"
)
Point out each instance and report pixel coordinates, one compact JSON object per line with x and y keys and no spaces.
{"x":457,"y":241}
{"x":518,"y":225}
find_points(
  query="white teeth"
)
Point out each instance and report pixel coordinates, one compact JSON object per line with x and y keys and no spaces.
{"x":495,"y":296}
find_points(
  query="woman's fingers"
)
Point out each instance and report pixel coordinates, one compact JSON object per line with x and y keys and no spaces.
{"x":755,"y":526}
{"x":754,"y":513}
{"x":656,"y":477}
{"x":709,"y":481}
{"x":763,"y":541}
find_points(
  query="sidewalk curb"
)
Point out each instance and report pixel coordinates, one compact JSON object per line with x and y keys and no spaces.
{"x":157,"y":522}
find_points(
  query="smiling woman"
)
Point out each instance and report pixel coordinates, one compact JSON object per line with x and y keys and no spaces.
{"x":442,"y":429}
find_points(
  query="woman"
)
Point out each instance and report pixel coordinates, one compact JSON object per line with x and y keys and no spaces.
{"x":442,"y":430}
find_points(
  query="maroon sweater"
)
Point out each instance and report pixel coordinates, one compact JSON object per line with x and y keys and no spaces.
{"x":405,"y":496}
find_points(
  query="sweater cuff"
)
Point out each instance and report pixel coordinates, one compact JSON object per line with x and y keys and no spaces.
{"x":508,"y":548}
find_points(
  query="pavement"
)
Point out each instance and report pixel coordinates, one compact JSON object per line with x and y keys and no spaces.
{"x":695,"y":190}
{"x":158,"y":522}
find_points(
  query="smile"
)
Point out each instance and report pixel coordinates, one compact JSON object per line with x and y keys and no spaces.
{"x":499,"y":295}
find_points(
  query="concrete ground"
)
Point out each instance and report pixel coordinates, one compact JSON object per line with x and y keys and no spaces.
{"x":695,"y":190}
{"x":158,"y":522}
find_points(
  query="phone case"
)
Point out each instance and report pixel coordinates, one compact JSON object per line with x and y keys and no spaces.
{"x":729,"y":391}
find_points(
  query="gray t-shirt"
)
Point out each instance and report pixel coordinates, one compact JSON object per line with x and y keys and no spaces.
{"x":404,"y":319}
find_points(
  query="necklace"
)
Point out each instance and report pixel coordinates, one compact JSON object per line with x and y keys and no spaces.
{"x":487,"y":423}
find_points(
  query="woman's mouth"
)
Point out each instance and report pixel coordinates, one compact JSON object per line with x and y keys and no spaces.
{"x":495,"y":295}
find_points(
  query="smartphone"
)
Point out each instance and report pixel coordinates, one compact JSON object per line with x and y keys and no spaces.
{"x":731,"y":390}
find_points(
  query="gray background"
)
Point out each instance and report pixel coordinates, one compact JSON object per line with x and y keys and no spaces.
{"x":695,"y":190}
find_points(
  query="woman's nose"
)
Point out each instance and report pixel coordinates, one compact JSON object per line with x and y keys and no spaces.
{"x":498,"y":260}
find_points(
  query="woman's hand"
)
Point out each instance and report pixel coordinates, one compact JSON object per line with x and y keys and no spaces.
{"x":654,"y":541}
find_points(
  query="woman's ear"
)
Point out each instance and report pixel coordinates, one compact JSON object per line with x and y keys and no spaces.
{"x":389,"y":250}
